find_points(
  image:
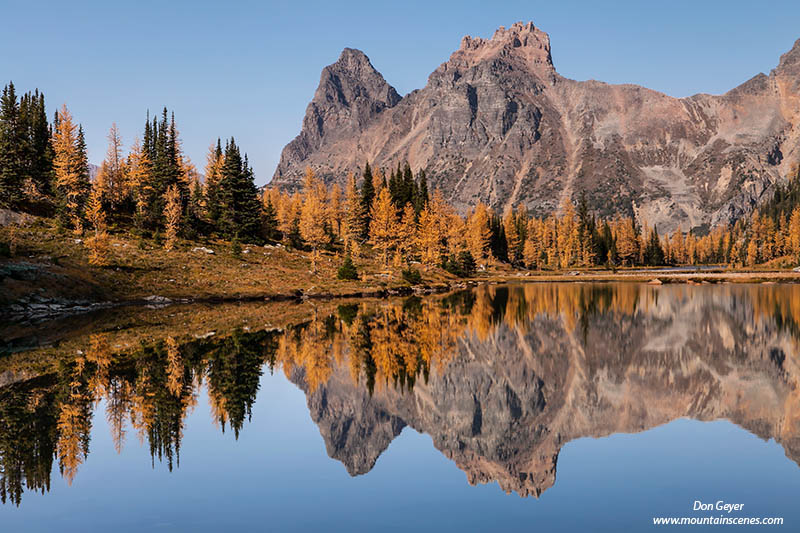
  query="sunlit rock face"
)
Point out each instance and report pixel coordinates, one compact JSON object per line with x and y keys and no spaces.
{"x":547,"y":365}
{"x":497,"y":123}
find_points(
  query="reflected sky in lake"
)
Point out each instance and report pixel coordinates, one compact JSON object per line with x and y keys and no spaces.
{"x":430,"y":413}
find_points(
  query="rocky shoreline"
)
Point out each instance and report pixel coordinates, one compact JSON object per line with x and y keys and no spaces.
{"x":36,"y":308}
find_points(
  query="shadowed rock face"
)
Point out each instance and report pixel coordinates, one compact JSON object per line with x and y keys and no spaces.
{"x":351,"y":94}
{"x":497,"y":123}
{"x":510,"y":399}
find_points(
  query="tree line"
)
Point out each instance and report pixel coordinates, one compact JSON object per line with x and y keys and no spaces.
{"x":155,"y":190}
{"x":406,"y":227}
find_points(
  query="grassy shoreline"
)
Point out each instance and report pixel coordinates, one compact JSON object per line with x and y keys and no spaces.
{"x":50,"y":268}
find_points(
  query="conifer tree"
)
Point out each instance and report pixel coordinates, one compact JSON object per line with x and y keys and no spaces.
{"x":161,"y":144}
{"x":194,"y":209}
{"x":394,"y":185}
{"x":430,"y":236}
{"x":112,"y":174}
{"x":33,"y":146}
{"x":241,"y":209}
{"x":353,"y":229}
{"x":213,"y":175}
{"x":512,"y":237}
{"x":71,"y":172}
{"x":752,"y":252}
{"x":139,"y":169}
{"x":794,"y":233}
{"x":172,"y":216}
{"x":312,"y":217}
{"x":407,"y":185}
{"x":407,"y":233}
{"x":421,"y":199}
{"x":288,"y":211}
{"x":383,"y":228}
{"x":626,"y":240}
{"x":335,"y":211}
{"x":12,"y":148}
{"x":271,"y":232}
{"x":653,"y":253}
{"x":529,"y":253}
{"x":478,"y":232}
{"x":98,"y":243}
{"x":497,"y":242}
{"x":367,"y":198}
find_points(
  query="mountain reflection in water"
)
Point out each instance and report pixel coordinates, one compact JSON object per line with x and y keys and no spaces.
{"x":500,"y":377}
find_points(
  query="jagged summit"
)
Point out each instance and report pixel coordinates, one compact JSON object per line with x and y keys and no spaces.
{"x":351,"y":93}
{"x":496,"y":123}
{"x":353,"y":78}
{"x":520,"y":40}
{"x":353,"y":56}
{"x":789,"y":64}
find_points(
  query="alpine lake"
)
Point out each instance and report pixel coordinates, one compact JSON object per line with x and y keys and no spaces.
{"x":538,"y":406}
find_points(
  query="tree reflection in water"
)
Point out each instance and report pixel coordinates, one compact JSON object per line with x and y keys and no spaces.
{"x":500,"y":377}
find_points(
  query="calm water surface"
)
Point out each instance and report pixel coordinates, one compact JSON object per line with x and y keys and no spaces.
{"x":554,"y":407}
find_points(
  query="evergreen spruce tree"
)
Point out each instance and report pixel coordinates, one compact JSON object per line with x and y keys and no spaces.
{"x":406,"y":185}
{"x":394,"y":187}
{"x":270,"y":224}
{"x":12,"y":148}
{"x":653,"y":253}
{"x":194,"y":221}
{"x":83,"y":161}
{"x":213,"y":175}
{"x":497,"y":240}
{"x":161,"y":147}
{"x":241,"y":210}
{"x":421,"y":198}
{"x":43,"y":147}
{"x":367,"y":196}
{"x":34,"y":145}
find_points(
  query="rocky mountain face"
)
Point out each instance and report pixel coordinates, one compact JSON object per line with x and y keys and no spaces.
{"x":505,"y":405}
{"x":497,"y":123}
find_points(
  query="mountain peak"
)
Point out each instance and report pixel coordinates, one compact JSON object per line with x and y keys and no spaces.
{"x":353,"y":58}
{"x":521,"y":40}
{"x":353,"y":81}
{"x":790,"y":61}
{"x":495,"y":123}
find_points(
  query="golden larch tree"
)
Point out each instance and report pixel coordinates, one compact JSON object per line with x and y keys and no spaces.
{"x":112,"y":175}
{"x":335,"y":210}
{"x":407,"y":233}
{"x":383,"y":228}
{"x":173,"y":209}
{"x":478,"y":232}
{"x":140,"y":181}
{"x":512,"y":236}
{"x":794,"y":233}
{"x":532,"y":248}
{"x":71,"y":185}
{"x":430,"y":235}
{"x":98,"y":243}
{"x":312,"y":217}
{"x":353,"y":215}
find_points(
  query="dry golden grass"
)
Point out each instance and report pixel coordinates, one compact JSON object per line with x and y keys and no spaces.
{"x":140,"y":268}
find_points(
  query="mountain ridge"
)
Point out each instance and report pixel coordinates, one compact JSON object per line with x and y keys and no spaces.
{"x":497,"y":123}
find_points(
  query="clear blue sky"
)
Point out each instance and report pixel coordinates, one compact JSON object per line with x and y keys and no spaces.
{"x":248,"y":69}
